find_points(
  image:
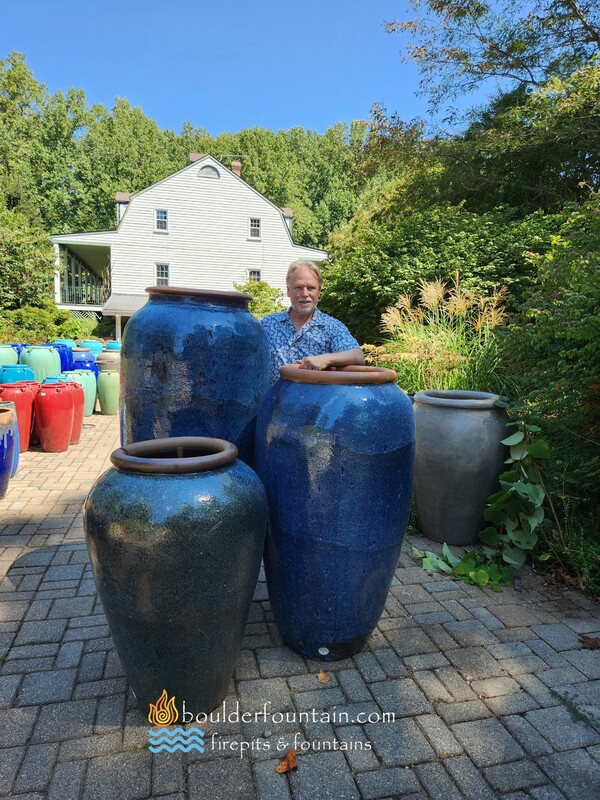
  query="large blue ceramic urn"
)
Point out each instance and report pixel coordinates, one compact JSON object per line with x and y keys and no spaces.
{"x":175,"y":533}
{"x":193,"y":363}
{"x":335,"y":451}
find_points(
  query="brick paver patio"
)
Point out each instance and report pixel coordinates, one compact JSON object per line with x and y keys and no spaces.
{"x":493,"y":695}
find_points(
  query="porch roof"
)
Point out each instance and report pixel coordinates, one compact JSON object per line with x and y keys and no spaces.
{"x":124,"y":303}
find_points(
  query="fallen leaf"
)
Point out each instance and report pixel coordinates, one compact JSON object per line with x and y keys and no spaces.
{"x":323,"y":677}
{"x":590,"y":642}
{"x":288,"y":763}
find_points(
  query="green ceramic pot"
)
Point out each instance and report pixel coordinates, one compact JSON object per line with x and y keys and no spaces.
{"x":108,"y":392}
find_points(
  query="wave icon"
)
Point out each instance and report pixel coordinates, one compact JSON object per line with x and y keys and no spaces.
{"x":177,"y":739}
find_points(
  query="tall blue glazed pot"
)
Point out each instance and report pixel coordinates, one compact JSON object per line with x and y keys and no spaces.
{"x":175,"y":533}
{"x":8,"y":442}
{"x":193,"y":363}
{"x":335,"y":451}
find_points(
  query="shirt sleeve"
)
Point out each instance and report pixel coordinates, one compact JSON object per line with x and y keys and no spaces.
{"x":341,"y":338}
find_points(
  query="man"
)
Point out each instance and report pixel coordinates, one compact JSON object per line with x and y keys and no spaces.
{"x":305,"y":335}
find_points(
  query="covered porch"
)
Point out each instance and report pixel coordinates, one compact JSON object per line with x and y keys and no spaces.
{"x":82,"y":272}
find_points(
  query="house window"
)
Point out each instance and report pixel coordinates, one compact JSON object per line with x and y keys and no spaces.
{"x":209,"y":172}
{"x":253,"y":275}
{"x":161,"y":220}
{"x":162,"y":274}
{"x":254,"y":228}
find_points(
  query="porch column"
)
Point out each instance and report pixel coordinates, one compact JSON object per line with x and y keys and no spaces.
{"x":118,"y":327}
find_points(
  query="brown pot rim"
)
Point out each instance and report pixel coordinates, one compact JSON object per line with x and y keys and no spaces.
{"x":229,"y":298}
{"x":340,"y":376}
{"x":457,"y":398}
{"x":140,"y":456}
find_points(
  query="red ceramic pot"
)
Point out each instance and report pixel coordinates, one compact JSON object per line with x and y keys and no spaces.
{"x":33,"y":387}
{"x":23,"y":400}
{"x":78,"y":408}
{"x":53,"y":405}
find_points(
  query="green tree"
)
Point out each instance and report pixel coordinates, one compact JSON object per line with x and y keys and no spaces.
{"x":460,"y":44}
{"x":26,"y":259}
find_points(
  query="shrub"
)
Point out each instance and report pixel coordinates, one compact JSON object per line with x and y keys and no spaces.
{"x":265,"y":298}
{"x":38,"y":324}
{"x":445,"y":341}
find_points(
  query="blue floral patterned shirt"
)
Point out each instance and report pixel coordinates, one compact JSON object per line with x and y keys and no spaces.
{"x":322,"y":334}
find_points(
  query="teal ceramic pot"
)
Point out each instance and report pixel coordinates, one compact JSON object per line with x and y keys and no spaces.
{"x":113,"y":344}
{"x":108,"y":392}
{"x":175,"y":533}
{"x":92,"y":344}
{"x":8,"y":354}
{"x":67,"y":342}
{"x":193,"y":363}
{"x":44,"y":360}
{"x":14,"y":373}
{"x":88,"y":381}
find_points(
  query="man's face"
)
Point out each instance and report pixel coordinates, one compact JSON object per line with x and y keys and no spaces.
{"x":303,"y":291}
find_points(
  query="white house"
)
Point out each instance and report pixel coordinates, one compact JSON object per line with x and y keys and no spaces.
{"x":202,"y":227}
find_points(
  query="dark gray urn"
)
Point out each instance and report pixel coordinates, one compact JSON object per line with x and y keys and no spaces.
{"x":175,"y":534}
{"x":458,"y":460}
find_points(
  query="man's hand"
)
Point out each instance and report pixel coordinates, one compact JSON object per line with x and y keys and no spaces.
{"x":344,"y":358}
{"x":316,"y":362}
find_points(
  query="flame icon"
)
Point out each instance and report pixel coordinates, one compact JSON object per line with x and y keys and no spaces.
{"x":163,"y":712}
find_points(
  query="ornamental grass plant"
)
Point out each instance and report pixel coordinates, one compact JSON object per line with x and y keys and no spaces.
{"x":444,"y":338}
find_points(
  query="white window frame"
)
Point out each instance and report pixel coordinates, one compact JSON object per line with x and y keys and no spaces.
{"x":252,"y":273}
{"x":162,"y":264}
{"x":253,"y":228}
{"x":157,"y":228}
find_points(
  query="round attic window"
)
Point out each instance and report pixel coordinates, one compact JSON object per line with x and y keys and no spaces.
{"x":209,"y":172}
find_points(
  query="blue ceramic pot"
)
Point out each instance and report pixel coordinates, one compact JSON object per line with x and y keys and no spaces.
{"x":335,"y":453}
{"x":83,"y":358}
{"x":175,"y":534}
{"x":193,"y":363}
{"x":13,"y":373}
{"x":66,"y":356}
{"x":13,"y":408}
{"x":8,"y":443}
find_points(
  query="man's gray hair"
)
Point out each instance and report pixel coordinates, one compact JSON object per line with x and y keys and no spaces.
{"x":303,"y":263}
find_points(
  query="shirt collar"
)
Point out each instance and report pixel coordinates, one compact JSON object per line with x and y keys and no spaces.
{"x":314,"y":320}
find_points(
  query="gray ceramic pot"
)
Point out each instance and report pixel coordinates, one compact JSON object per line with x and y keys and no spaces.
{"x":109,"y":361}
{"x":458,"y":460}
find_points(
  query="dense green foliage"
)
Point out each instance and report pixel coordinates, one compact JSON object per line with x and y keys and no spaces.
{"x":265,"y":298}
{"x":40,"y":323}
{"x":389,"y":248}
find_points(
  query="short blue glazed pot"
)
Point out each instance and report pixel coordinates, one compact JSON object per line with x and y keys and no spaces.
{"x":335,"y":453}
{"x":113,"y":344}
{"x":83,"y":358}
{"x":175,"y":534}
{"x":92,"y":344}
{"x":193,"y":363}
{"x":13,"y":373}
